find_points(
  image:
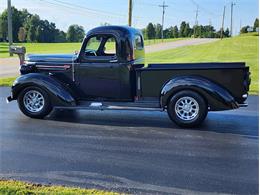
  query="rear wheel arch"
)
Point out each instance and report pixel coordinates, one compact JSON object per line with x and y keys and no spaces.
{"x":195,"y":90}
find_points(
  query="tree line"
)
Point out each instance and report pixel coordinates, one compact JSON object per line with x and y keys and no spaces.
{"x":247,"y":28}
{"x":29,"y":27}
{"x":154,"y":31}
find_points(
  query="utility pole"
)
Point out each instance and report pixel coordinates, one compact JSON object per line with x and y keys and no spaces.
{"x":130,"y":10}
{"x":10,"y":27}
{"x":223,"y":20}
{"x":163,"y":6}
{"x":197,"y":14}
{"x":196,"y":20}
{"x":231,"y":24}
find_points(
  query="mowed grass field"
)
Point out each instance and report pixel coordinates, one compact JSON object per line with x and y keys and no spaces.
{"x":237,"y":49}
{"x":23,"y":188}
{"x":43,"y":48}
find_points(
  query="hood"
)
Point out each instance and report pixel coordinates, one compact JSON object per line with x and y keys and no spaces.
{"x":50,"y":58}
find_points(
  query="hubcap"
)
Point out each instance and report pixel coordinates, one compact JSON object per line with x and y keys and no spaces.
{"x":187,"y":108}
{"x":33,"y":101}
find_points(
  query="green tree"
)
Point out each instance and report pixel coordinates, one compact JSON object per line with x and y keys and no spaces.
{"x":18,"y":18}
{"x":187,"y":30}
{"x":21,"y":34}
{"x":175,"y":32}
{"x":150,"y":30}
{"x":158,"y":31}
{"x":197,"y":31}
{"x":244,"y":29}
{"x":227,"y":33}
{"x":256,"y":24}
{"x":60,"y":36}
{"x":182,"y":29}
{"x":75,"y":33}
{"x":33,"y":28}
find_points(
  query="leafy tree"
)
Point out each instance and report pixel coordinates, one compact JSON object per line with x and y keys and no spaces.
{"x":60,"y":36}
{"x":21,"y":34}
{"x":182,"y":29}
{"x":18,"y":18}
{"x":187,"y":30}
{"x":150,"y":30}
{"x":227,"y":33}
{"x":175,"y":32}
{"x":33,"y":28}
{"x":158,"y":31}
{"x":244,"y":29}
{"x":36,"y":30}
{"x":208,"y":31}
{"x":75,"y":33}
{"x":167,"y":33}
{"x":256,"y":24}
{"x":197,"y":31}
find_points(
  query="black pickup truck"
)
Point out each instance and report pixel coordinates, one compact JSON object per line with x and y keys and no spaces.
{"x":109,"y":73}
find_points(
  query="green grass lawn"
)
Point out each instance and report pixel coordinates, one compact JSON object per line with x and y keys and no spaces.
{"x":43,"y":48}
{"x":7,"y":81}
{"x":17,"y":187}
{"x":238,"y":49}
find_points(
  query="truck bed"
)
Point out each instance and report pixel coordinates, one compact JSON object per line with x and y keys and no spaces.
{"x":231,"y":76}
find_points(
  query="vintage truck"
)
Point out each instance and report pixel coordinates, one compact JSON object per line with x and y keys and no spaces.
{"x":109,"y":73}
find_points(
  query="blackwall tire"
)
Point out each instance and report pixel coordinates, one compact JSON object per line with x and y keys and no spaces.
{"x":187,"y":109}
{"x":34,"y":102}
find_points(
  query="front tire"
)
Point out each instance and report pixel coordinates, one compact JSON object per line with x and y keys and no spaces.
{"x":34,"y":102}
{"x":187,"y":109}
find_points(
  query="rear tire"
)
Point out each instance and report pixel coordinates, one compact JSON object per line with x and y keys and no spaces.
{"x":187,"y":109}
{"x":34,"y":102}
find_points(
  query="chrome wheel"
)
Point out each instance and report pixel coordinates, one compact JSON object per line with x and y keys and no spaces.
{"x":187,"y":108}
{"x":33,"y":101}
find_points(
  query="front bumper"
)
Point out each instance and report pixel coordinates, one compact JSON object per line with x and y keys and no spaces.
{"x":9,"y":99}
{"x":243,"y":105}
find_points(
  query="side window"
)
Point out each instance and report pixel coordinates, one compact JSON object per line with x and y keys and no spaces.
{"x":93,"y":44}
{"x":139,"y":45}
{"x":101,"y":47}
{"x":110,"y":47}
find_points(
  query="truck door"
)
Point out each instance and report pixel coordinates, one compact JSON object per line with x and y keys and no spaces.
{"x":97,"y":74}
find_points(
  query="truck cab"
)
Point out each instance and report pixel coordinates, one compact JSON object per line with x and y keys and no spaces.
{"x":109,"y":72}
{"x":106,"y":60}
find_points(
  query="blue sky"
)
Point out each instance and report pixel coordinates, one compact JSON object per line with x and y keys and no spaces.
{"x":89,"y":13}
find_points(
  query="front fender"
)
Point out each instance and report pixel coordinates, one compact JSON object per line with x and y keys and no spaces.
{"x":217,"y":97}
{"x":59,"y":95}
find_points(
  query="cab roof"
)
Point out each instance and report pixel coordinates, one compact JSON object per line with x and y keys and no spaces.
{"x":123,"y":30}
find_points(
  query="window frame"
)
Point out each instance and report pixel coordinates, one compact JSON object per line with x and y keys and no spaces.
{"x":142,"y":42}
{"x":104,"y":59}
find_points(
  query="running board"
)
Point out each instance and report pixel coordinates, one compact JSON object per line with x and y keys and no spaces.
{"x":131,"y":106}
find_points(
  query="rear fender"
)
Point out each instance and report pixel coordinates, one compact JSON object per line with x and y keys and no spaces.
{"x":60,"y":96}
{"x":217,"y":97}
